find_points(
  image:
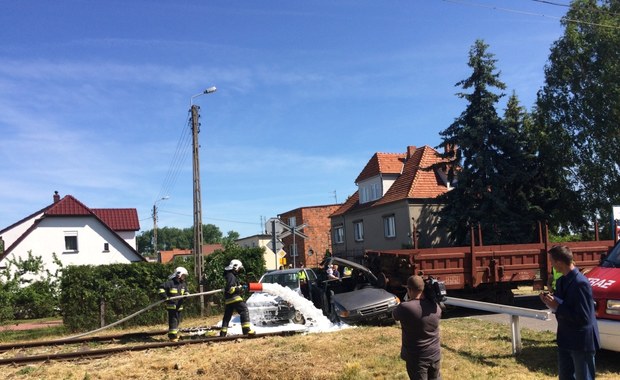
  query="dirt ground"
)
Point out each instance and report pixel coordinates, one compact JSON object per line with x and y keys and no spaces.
{"x":30,"y":325}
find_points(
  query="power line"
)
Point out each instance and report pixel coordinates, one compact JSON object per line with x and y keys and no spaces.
{"x":527,"y":13}
{"x":552,"y":3}
{"x":182,"y":151}
{"x":221,"y":220}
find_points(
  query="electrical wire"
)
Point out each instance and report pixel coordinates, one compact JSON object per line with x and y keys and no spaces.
{"x":527,"y":13}
{"x":180,"y":156}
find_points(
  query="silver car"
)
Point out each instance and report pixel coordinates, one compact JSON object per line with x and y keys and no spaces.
{"x":356,"y":297}
{"x":270,"y":309}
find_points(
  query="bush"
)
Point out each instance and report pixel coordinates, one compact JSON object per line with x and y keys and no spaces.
{"x":28,"y":290}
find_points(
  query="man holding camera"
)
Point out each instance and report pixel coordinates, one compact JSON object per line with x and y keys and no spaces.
{"x":419,"y":319}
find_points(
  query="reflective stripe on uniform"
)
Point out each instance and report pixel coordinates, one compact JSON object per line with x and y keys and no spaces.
{"x":233,"y":300}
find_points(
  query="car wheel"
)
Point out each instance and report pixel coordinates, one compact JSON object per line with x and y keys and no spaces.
{"x":298,"y":318}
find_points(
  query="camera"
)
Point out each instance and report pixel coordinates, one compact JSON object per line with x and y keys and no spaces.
{"x":435,"y":290}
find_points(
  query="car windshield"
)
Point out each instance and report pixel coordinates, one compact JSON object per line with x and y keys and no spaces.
{"x":289,"y":280}
{"x":613,"y":259}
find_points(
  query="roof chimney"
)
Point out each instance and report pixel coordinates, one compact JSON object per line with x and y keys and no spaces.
{"x":410,"y":151}
{"x":56,"y":196}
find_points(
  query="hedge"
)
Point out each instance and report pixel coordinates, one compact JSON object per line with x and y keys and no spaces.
{"x":92,"y":296}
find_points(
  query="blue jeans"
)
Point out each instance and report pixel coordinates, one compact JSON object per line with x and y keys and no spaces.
{"x":576,"y":365}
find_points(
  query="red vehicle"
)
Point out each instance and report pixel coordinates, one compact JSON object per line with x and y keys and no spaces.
{"x":605,"y":281}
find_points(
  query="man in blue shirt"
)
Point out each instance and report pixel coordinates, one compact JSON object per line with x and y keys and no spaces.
{"x":573,"y":305}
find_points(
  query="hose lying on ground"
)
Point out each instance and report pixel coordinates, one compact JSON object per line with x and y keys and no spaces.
{"x":140,"y":312}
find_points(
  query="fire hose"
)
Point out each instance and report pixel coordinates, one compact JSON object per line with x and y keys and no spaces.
{"x":140,"y":312}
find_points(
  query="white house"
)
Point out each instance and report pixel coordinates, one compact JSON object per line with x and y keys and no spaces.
{"x":77,"y":235}
{"x":262,"y":241}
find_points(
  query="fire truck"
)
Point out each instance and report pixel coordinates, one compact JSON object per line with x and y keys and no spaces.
{"x":605,"y":281}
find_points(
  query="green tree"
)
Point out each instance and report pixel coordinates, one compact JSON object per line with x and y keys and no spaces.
{"x":469,"y":146}
{"x":171,"y":237}
{"x":581,"y":101}
{"x":488,"y":161}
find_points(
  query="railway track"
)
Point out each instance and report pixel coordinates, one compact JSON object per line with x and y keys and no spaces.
{"x":85,"y":353}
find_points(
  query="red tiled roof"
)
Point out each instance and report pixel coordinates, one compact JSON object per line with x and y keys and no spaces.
{"x":119,"y":219}
{"x":68,"y":206}
{"x":207,"y":249}
{"x":417,"y":180}
{"x":350,"y":204}
{"x":382,"y":163}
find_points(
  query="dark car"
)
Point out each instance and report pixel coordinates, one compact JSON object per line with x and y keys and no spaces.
{"x":353,"y":298}
{"x":356,"y":298}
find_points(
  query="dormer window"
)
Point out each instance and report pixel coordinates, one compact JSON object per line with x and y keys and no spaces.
{"x":370,"y":190}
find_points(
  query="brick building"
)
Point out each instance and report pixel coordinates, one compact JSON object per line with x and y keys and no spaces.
{"x":316,"y":226}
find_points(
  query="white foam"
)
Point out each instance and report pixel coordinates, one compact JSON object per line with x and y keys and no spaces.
{"x":316,"y":322}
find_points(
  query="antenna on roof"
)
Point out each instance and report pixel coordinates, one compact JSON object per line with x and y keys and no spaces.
{"x":335,"y":196}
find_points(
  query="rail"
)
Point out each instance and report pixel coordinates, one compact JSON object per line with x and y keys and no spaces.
{"x":513,"y":311}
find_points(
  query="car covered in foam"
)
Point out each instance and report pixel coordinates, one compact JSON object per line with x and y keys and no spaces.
{"x":271,"y":309}
{"x":356,"y":297}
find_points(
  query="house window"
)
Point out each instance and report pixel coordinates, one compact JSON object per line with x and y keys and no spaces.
{"x":106,"y":247}
{"x":71,"y":241}
{"x":359,"y":230}
{"x":339,"y":234}
{"x":389,"y":226}
{"x":292,"y":221}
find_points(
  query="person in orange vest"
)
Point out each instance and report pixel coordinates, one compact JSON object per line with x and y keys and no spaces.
{"x":233,"y":300}
{"x":175,"y":286}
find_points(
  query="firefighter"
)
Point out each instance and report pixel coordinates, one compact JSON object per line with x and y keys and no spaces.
{"x":233,"y":300}
{"x":175,"y":286}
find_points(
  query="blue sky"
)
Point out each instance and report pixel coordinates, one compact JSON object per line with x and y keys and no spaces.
{"x":94,"y":96}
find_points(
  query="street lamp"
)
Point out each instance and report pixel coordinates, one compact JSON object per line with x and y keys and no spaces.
{"x":155,"y":222}
{"x":209,"y":90}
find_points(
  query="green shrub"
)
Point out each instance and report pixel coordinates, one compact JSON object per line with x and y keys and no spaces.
{"x":113,"y":292}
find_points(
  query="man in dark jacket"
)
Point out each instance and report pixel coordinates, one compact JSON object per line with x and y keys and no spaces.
{"x":233,"y":300}
{"x":175,"y":286}
{"x":419,"y":320}
{"x":573,"y":305}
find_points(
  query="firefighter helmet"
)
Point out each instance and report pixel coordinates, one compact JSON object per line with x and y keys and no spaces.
{"x":234,"y":265}
{"x":180,"y":271}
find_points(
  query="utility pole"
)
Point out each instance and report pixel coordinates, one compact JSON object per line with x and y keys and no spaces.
{"x":155,"y":229}
{"x":197,"y":204}
{"x":198,"y":259}
{"x":155,"y":225}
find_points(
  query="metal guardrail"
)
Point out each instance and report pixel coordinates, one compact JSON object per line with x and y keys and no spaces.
{"x":513,"y":311}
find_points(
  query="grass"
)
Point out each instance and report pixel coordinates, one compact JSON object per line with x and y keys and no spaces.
{"x":35,"y":334}
{"x":472,"y":349}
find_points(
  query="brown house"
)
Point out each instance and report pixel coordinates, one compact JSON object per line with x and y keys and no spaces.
{"x":207,"y":249}
{"x":310,"y":250}
{"x":394,"y":206}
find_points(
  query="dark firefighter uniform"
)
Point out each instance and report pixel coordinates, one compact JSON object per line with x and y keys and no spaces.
{"x":172,"y":288}
{"x":233,"y":301}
